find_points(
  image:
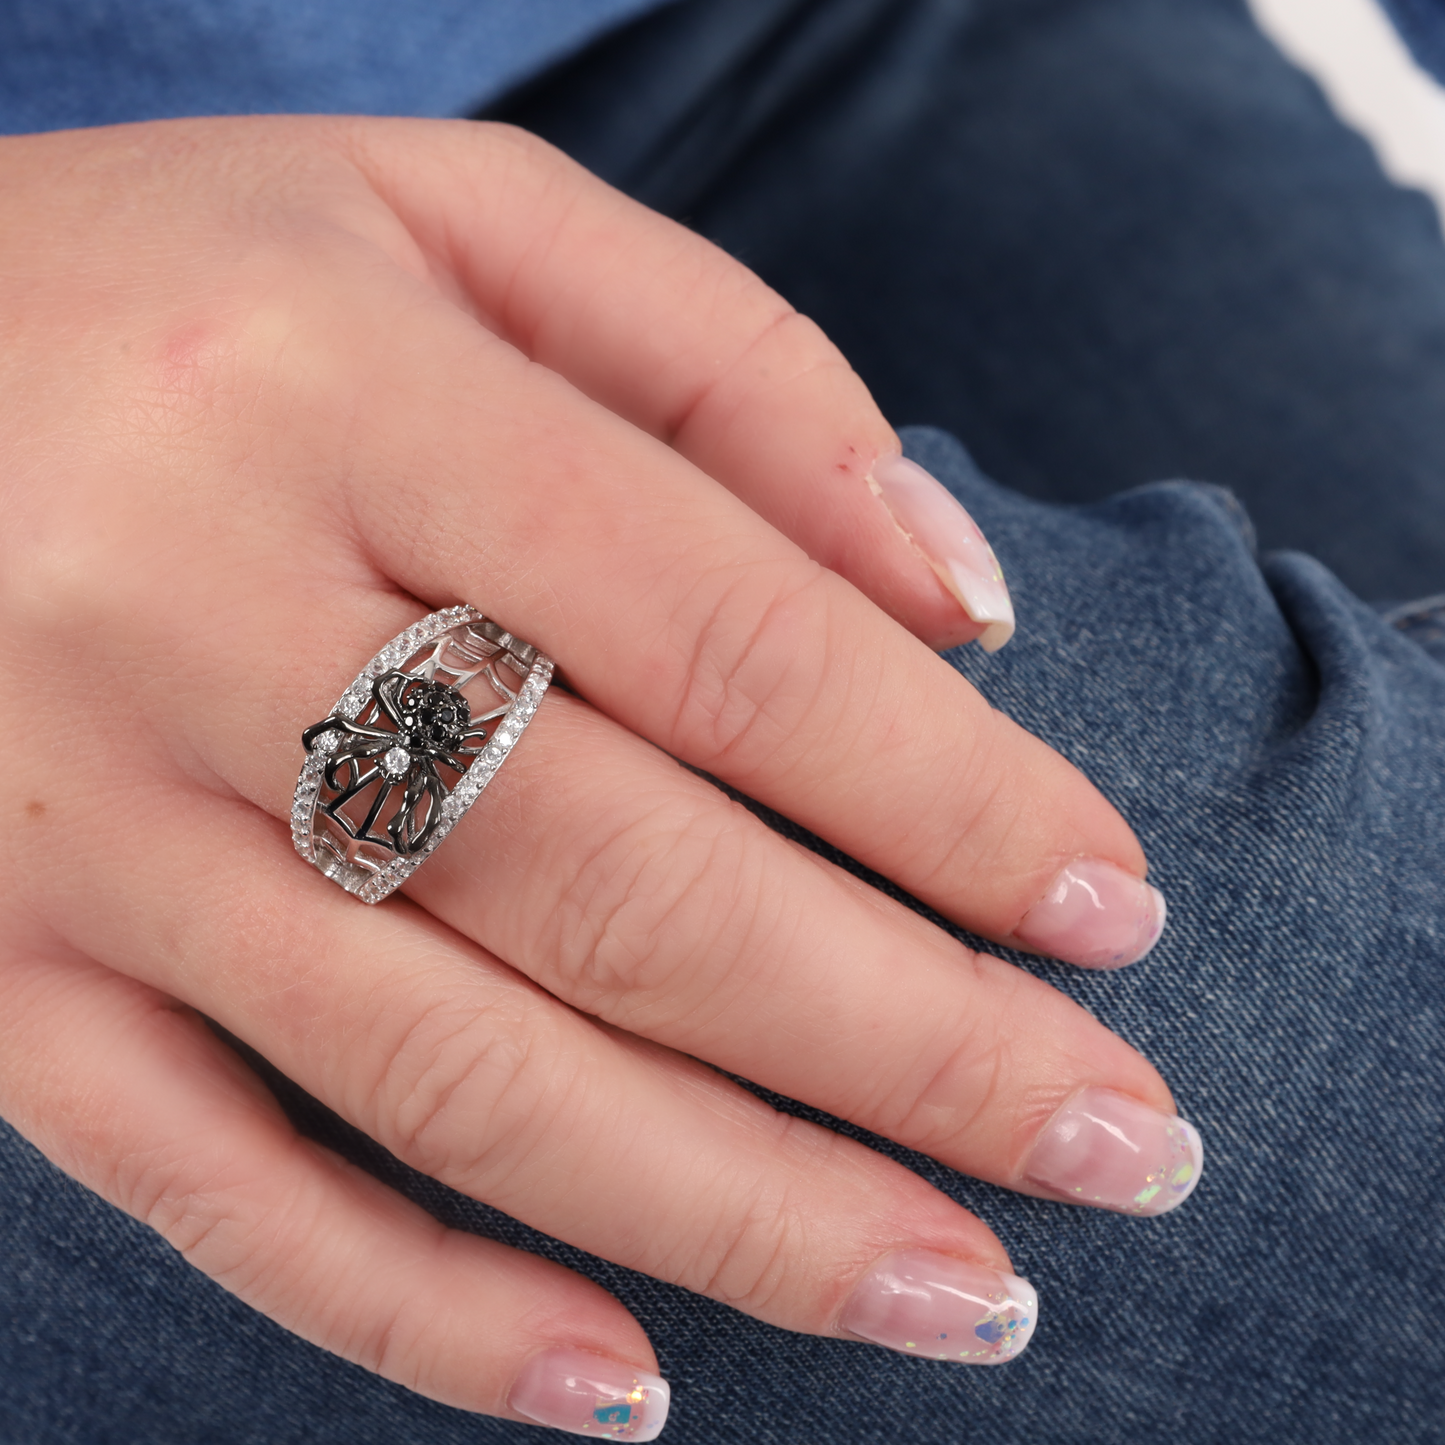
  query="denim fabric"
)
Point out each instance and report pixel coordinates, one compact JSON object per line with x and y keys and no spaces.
{"x":1422,"y":23}
{"x":97,"y":62}
{"x":1278,"y":747}
{"x":1103,"y":241}
{"x":1423,"y":621}
{"x":94,"y":62}
{"x":1047,"y":234}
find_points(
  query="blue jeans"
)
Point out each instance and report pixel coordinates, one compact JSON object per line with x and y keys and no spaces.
{"x":1275,"y":741}
{"x":1102,"y":241}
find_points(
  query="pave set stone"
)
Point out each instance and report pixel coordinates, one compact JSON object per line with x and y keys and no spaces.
{"x":373,"y":887}
{"x":470,"y":786}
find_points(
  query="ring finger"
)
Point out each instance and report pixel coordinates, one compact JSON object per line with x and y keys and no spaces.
{"x":635,"y":891}
{"x":474,"y":1075}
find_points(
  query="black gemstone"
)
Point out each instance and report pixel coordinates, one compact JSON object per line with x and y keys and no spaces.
{"x":434,"y":714}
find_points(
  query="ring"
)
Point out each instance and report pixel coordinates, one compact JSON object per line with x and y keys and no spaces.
{"x":405,"y":751}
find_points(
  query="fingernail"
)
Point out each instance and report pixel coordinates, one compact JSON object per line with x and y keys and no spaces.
{"x":1095,"y":915}
{"x":1106,"y":1149}
{"x":589,"y":1394}
{"x":929,"y":515}
{"x":922,"y":1303}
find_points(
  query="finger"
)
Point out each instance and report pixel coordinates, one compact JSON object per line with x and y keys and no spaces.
{"x":680,"y":614}
{"x":644,"y":896}
{"x":667,"y":330}
{"x":133,"y":1096}
{"x":393,"y":441}
{"x":639,"y":893}
{"x":477,"y":1077}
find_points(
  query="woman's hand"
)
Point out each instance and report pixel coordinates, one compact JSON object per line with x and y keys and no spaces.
{"x":273,"y":389}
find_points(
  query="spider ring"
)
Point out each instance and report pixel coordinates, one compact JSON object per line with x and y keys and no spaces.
{"x":406,"y":750}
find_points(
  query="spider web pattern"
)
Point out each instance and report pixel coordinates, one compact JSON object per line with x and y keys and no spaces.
{"x":462,"y":649}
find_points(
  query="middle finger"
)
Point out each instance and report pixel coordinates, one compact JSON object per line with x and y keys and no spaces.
{"x":637,"y":892}
{"x":462,"y":470}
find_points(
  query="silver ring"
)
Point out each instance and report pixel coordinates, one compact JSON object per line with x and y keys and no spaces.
{"x":409,"y":747}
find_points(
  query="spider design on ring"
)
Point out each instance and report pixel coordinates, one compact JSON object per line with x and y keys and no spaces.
{"x":433,"y":726}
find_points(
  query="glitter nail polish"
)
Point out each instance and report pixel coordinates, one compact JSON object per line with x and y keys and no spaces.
{"x":587,"y":1394}
{"x":1113,"y":1152}
{"x":919,"y":1302}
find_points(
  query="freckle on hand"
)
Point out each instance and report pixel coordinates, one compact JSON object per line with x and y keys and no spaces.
{"x":35,"y":808}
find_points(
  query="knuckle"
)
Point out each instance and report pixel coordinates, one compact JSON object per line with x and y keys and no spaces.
{"x":396,"y":1336}
{"x":460,"y":1089}
{"x":746,"y":1266}
{"x":776,"y":352}
{"x":750,"y":1257}
{"x":543,"y":183}
{"x":789,"y":351}
{"x":391,"y":1345}
{"x":252,"y":348}
{"x":197,"y":1206}
{"x":724,"y":289}
{"x":945,"y":1099}
{"x":649,"y":902}
{"x":982,"y":783}
{"x":754,"y":671}
{"x":153,"y":1187}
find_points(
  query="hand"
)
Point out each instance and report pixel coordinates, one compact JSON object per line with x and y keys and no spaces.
{"x":275,"y":389}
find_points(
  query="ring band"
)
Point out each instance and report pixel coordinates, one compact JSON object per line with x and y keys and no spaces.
{"x":409,"y":747}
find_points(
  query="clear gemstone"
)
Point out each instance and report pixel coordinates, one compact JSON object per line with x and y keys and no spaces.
{"x":432,"y":633}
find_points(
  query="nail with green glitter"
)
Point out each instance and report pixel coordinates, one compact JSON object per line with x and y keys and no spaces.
{"x":1111,"y":1151}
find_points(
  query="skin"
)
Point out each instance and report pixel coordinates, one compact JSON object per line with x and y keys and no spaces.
{"x":274,"y":389}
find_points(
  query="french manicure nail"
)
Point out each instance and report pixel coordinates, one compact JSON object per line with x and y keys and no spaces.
{"x":589,"y":1394}
{"x":922,"y":1303}
{"x":1095,"y":915}
{"x":1109,"y":1150}
{"x":929,"y":515}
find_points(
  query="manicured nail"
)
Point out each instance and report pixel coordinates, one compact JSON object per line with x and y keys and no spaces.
{"x":589,"y":1394}
{"x":929,"y":515}
{"x":1095,"y":915}
{"x":1109,"y":1150}
{"x":922,"y":1303}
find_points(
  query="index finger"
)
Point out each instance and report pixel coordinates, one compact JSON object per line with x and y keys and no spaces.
{"x":665,"y":329}
{"x":417,"y":441}
{"x":683,"y":615}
